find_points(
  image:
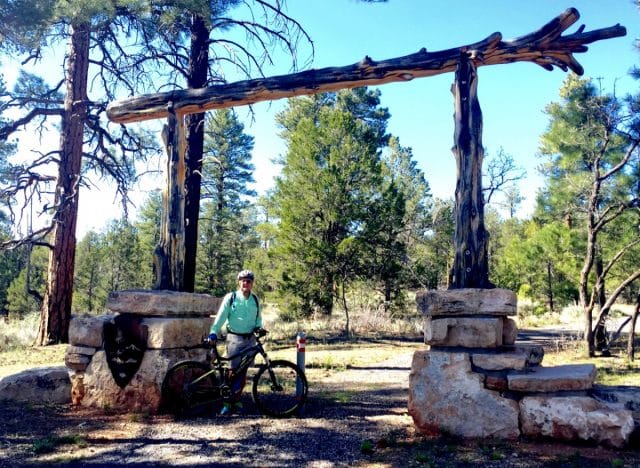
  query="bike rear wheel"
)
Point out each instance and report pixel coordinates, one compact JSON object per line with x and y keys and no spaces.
{"x":185,"y":395}
{"x":280,"y":389}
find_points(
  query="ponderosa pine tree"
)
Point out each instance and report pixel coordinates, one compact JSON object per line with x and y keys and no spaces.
{"x":592,"y":148}
{"x":148,"y":225}
{"x":331,"y":181}
{"x":88,"y":284}
{"x":91,"y":30}
{"x":407,"y":203}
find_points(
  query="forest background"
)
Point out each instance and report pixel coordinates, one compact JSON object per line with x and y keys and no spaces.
{"x":351,"y":221}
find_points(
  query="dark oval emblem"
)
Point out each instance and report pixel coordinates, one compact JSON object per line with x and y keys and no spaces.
{"x":125,"y":341}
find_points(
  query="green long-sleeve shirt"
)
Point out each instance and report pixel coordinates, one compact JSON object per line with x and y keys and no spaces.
{"x":243,"y":316}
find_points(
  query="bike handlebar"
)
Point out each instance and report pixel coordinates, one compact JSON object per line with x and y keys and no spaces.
{"x":257,"y":332}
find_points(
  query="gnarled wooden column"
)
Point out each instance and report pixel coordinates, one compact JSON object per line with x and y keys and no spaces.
{"x":169,"y":253}
{"x":470,"y":265}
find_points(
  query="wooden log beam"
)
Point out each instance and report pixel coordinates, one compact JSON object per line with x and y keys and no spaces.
{"x":546,"y":47}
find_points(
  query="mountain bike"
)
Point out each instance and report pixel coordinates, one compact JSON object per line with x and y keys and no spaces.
{"x":193,"y":387}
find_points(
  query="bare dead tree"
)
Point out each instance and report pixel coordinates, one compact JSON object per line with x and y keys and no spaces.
{"x":501,"y":172}
{"x":193,"y":48}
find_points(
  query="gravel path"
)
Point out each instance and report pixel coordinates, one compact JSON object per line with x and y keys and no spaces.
{"x":343,"y":411}
{"x":347,"y":411}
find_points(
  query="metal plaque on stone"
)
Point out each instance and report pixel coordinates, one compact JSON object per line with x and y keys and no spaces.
{"x":125,"y":341}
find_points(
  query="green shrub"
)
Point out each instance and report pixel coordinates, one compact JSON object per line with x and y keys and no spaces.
{"x":366,"y":447}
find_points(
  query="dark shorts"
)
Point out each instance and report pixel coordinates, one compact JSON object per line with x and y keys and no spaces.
{"x":236,"y":344}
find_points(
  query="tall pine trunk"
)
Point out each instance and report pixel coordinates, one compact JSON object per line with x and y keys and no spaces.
{"x":198,"y":72}
{"x":56,"y":307}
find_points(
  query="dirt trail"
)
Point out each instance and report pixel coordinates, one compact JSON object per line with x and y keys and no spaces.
{"x":345,"y":409}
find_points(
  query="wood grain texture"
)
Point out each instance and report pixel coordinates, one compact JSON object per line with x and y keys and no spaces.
{"x":546,"y":47}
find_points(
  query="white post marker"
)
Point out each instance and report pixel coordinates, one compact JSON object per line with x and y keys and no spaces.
{"x":301,"y":342}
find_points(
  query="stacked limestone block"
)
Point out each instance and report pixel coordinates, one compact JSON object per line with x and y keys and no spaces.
{"x":473,"y":380}
{"x":174,"y":324}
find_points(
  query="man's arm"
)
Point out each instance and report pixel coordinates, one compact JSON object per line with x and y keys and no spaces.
{"x":221,"y":316}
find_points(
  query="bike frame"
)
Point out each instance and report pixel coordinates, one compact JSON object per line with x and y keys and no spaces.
{"x":218,"y":363}
{"x":210,"y":382}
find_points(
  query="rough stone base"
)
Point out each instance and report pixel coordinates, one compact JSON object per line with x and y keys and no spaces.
{"x":96,"y":388}
{"x":575,"y":418}
{"x":446,"y":395}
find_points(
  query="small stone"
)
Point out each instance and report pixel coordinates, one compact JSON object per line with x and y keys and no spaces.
{"x":575,"y":418}
{"x":535,"y":353}
{"x":163,"y":303}
{"x":87,"y":330}
{"x":76,"y":362}
{"x":497,"y":383}
{"x":509,"y":331}
{"x":468,"y":332}
{"x":467,"y":301}
{"x":569,"y":377}
{"x":84,"y":350}
{"x":500,"y":361}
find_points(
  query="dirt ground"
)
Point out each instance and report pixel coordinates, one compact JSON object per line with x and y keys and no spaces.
{"x":354,"y":417}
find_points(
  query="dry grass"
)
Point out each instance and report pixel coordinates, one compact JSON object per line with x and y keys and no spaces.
{"x":363,"y":323}
{"x":18,"y":359}
{"x":18,"y":333}
{"x":613,"y":370}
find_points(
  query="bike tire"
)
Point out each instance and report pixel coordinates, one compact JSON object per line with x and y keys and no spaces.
{"x":286,"y":395}
{"x":184,"y":400}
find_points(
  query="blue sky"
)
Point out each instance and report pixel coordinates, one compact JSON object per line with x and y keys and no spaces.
{"x":512,"y":96}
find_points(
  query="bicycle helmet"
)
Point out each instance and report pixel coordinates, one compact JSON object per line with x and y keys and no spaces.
{"x":246,"y":274}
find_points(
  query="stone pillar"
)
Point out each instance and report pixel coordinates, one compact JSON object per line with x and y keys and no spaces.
{"x":173,"y":324}
{"x":473,"y":380}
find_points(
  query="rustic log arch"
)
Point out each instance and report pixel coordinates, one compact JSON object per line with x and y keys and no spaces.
{"x":546,"y":47}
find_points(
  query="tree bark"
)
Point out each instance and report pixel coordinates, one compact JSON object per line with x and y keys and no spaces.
{"x":198,"y":73}
{"x":56,"y":307}
{"x":169,"y":254}
{"x":545,"y":47}
{"x":470,"y":266}
{"x":550,"y":286}
{"x":631,"y":347}
{"x":600,"y":332}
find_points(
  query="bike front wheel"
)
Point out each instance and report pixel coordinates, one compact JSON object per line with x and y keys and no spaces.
{"x":279,"y":389}
{"x":189,"y":389}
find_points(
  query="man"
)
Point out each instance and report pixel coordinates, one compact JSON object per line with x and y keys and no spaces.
{"x":240,"y":311}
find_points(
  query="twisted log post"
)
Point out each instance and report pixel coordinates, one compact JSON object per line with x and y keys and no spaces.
{"x":169,"y":253}
{"x":470,"y":266}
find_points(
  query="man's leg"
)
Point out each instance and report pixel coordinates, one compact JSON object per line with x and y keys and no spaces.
{"x":236,"y":344}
